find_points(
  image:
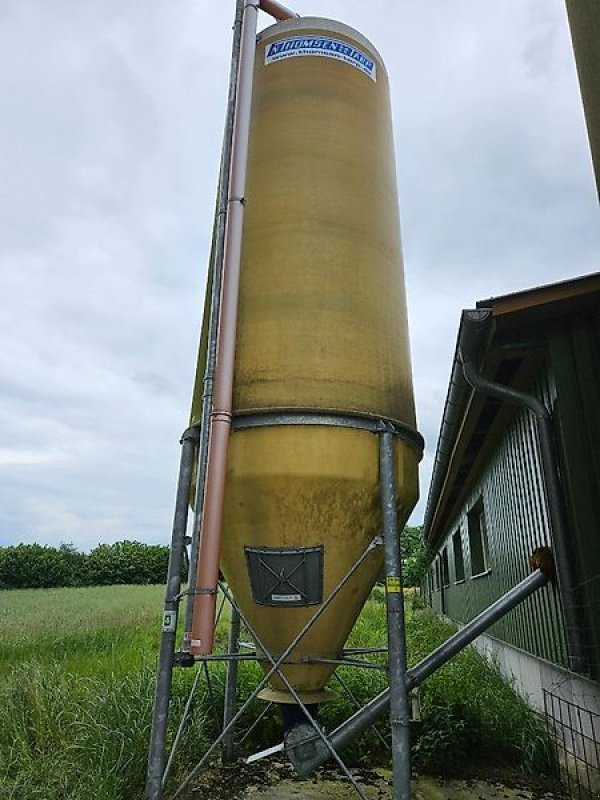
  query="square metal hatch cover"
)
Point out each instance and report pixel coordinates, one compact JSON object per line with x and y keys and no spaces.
{"x":286,"y":576}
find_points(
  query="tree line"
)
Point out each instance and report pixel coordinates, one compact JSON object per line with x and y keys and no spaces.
{"x":36,"y":566}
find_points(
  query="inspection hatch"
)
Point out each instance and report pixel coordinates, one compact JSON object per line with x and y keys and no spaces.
{"x":286,"y":576}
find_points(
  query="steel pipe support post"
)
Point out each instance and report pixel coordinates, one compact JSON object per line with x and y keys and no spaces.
{"x":230,"y":702}
{"x":399,"y":707}
{"x":160,"y":716}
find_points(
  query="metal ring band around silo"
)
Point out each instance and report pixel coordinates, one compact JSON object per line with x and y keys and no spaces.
{"x":263,"y":419}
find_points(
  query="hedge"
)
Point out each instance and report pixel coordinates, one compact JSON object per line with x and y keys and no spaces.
{"x":36,"y":566}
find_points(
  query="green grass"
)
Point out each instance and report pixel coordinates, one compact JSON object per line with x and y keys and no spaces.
{"x":77,"y":670}
{"x":469,"y":712}
{"x":103,"y":630}
{"x":31,"y":612}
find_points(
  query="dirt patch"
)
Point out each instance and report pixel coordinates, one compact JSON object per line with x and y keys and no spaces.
{"x":276,"y":780}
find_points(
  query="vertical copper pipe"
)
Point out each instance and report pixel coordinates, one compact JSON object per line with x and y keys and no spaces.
{"x":203,"y":619}
{"x":277,"y":10}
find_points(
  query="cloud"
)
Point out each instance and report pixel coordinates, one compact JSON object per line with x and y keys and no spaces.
{"x":112,"y":116}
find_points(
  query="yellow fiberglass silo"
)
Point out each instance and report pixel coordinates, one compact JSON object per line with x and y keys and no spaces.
{"x":322,"y":351}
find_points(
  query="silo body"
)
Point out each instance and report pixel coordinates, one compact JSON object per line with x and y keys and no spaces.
{"x":322,"y":328}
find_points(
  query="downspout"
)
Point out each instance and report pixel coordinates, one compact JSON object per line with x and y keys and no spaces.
{"x":565,"y":569}
{"x":203,"y":616}
{"x":209,"y":541}
{"x":211,"y":318}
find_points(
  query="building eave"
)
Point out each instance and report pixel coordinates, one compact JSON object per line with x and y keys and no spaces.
{"x":482,"y":334}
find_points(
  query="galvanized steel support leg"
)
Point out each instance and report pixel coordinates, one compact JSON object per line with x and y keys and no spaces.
{"x":229,"y":746}
{"x":160,"y":717}
{"x":399,"y":708}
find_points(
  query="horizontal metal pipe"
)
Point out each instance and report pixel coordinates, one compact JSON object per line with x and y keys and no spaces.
{"x":364,"y":718}
{"x":277,"y":10}
{"x":229,"y":657}
{"x":344,"y":662}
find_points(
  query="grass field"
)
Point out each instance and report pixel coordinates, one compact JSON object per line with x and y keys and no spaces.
{"x":88,"y":631}
{"x":77,"y":670}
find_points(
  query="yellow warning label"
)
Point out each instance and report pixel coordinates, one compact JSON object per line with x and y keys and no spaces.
{"x":393,"y":585}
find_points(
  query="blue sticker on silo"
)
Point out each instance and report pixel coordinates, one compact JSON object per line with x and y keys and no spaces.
{"x":320,"y":46}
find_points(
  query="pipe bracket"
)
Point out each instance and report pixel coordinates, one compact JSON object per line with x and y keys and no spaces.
{"x":542,"y":558}
{"x":197,"y":591}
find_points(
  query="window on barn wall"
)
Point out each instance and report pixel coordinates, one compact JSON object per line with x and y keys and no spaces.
{"x":459,"y":560}
{"x":445,"y":568}
{"x":478,"y":541}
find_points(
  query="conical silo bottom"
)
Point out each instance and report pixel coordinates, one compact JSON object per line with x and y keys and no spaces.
{"x":302,"y":506}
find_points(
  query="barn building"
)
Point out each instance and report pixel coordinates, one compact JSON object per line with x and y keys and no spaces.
{"x":490,"y":498}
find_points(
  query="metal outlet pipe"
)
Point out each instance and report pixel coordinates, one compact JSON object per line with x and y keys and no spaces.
{"x":565,"y":569}
{"x":469,"y":632}
{"x":399,"y":710}
{"x":160,"y":715}
{"x":277,"y":10}
{"x":361,"y":720}
{"x":203,"y":616}
{"x":215,"y":301}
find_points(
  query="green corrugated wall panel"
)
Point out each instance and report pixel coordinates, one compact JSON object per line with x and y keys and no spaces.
{"x":511,"y":487}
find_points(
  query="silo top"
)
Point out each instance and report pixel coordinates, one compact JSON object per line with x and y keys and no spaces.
{"x":320,"y":25}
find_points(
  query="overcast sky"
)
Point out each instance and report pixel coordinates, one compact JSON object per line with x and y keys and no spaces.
{"x":111,"y":115}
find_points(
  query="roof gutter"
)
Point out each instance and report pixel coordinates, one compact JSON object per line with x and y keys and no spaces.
{"x":473,"y":333}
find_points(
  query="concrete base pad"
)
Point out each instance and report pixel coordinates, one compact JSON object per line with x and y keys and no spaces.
{"x":424,"y":789}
